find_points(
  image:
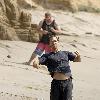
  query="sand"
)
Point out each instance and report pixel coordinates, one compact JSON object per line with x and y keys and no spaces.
{"x":23,"y":82}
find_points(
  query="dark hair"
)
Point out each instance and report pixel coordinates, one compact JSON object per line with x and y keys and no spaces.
{"x":54,"y":36}
{"x":47,"y":14}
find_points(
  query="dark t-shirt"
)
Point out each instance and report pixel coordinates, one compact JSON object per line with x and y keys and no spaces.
{"x":47,"y":26}
{"x":58,"y":62}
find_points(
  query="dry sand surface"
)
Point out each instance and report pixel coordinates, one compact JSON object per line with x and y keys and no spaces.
{"x":18,"y":81}
{"x":23,"y":82}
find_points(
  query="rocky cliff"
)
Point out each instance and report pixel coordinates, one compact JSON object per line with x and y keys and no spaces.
{"x":16,"y":18}
{"x":71,"y":5}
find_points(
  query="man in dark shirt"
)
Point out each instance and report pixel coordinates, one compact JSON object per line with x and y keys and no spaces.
{"x":57,"y":63}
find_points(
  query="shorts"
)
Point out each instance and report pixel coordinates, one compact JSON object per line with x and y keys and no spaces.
{"x":41,"y":47}
{"x":61,"y":89}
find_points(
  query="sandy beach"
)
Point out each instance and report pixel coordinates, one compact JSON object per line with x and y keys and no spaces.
{"x":23,"y":82}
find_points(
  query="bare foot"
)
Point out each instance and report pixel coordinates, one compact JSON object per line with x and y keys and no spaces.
{"x":26,"y":63}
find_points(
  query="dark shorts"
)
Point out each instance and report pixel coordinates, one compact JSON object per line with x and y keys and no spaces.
{"x":61,"y":89}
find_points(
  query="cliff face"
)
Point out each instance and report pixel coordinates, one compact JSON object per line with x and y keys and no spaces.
{"x":71,"y":5}
{"x":15,"y":15}
{"x":15,"y":21}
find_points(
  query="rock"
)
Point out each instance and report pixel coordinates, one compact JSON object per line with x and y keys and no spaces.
{"x":7,"y":33}
{"x":2,"y":7}
{"x":15,"y":15}
{"x":27,"y":4}
{"x":70,"y":5}
{"x":25,"y":19}
{"x":12,"y":9}
{"x":89,"y":33}
{"x":33,"y":36}
{"x":8,"y":56}
{"x":12,"y":20}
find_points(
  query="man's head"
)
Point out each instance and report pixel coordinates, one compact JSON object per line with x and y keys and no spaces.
{"x":48,"y":16}
{"x":54,"y":43}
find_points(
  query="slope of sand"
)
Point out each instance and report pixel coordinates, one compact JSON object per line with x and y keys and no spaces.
{"x":22,"y":82}
{"x":86,"y":74}
{"x":18,"y":81}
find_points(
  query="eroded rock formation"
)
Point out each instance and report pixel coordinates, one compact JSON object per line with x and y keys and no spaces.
{"x":15,"y":15}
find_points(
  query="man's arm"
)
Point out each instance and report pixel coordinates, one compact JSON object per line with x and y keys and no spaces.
{"x":57,"y":29}
{"x":43,"y":59}
{"x":40,"y":30}
{"x":75,"y":57}
{"x":40,"y":61}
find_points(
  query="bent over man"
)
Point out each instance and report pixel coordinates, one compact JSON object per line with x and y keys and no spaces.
{"x":47,"y":27}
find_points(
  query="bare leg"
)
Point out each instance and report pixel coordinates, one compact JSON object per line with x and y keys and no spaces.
{"x":33,"y":56}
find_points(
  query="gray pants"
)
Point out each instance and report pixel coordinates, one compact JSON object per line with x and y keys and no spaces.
{"x":61,"y":89}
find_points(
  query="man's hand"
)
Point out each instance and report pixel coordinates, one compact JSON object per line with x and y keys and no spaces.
{"x":77,"y":58}
{"x":36,"y":64}
{"x":45,"y":32}
{"x":52,"y":29}
{"x":41,"y":31}
{"x":77,"y":53}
